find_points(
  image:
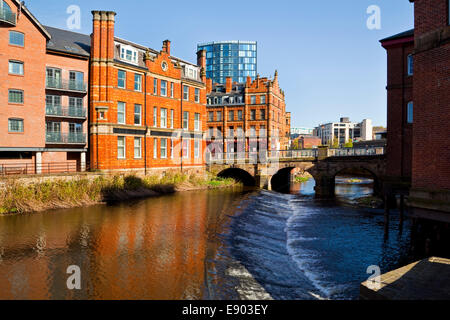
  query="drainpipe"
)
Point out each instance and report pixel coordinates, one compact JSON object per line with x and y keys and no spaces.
{"x":145,"y":123}
{"x":181,"y":137}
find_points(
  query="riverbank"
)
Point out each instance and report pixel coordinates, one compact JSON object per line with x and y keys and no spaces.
{"x":61,"y":194}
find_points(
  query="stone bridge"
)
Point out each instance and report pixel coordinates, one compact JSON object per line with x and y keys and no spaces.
{"x":273,"y":170}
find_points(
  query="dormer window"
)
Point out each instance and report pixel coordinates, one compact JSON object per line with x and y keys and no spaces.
{"x":129,"y":54}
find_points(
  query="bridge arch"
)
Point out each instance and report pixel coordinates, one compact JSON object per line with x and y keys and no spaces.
{"x":361,"y":171}
{"x":239,"y":175}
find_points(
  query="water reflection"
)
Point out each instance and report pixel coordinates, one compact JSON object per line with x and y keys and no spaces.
{"x":153,"y":249}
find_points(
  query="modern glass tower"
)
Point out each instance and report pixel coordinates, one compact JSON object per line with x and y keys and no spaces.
{"x":235,"y":59}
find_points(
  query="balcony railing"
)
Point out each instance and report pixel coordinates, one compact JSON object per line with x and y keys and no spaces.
{"x":69,"y":112}
{"x":7,"y":16}
{"x":65,"y":138}
{"x":67,"y":85}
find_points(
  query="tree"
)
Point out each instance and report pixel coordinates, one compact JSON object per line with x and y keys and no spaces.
{"x":335,"y":144}
{"x":349,"y":144}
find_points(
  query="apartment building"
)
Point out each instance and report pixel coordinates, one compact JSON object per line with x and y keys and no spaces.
{"x":344,"y":131}
{"x":148,"y":108}
{"x":247,"y":117}
{"x":43,"y":94}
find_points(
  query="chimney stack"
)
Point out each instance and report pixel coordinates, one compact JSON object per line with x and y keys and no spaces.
{"x":209,"y":85}
{"x":166,"y":47}
{"x":201,"y":62}
{"x":249,"y":81}
{"x":229,"y":85}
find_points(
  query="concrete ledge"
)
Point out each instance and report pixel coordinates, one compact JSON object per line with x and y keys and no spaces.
{"x":428,"y":279}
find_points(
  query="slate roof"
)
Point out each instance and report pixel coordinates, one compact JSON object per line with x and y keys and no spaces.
{"x":409,"y":33}
{"x":69,"y":42}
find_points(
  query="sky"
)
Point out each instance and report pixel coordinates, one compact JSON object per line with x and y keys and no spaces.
{"x":330,"y":63}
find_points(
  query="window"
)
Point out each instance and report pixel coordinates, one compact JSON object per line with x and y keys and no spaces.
{"x":155,"y":86}
{"x":231,"y":115}
{"x":231,"y":131}
{"x":239,"y":115}
{"x":171,"y":89}
{"x":137,"y":114}
{"x":137,"y":148}
{"x":76,"y":80}
{"x":186,"y":120}
{"x":16,"y":67}
{"x":163,"y":88}
{"x":185,"y":93}
{"x":128,"y":53}
{"x":253,"y":99}
{"x":197,"y":95}
{"x":252,"y":131}
{"x":171,"y":118}
{"x":137,"y":82}
{"x":155,"y":148}
{"x":121,"y":112}
{"x":163,"y":149}
{"x":15,"y":125}
{"x":196,"y":149}
{"x":263,"y":114}
{"x":219,"y":115}
{"x":185,"y":149}
{"x":121,"y":147}
{"x":263,"y":99}
{"x":15,"y":96}
{"x":172,"y":142}
{"x":163,"y":118}
{"x":197,"y":122}
{"x":16,"y":38}
{"x":410,"y":65}
{"x":53,"y":78}
{"x":252,"y":114}
{"x":410,"y":112}
{"x":210,"y":116}
{"x":210,"y":132}
{"x":121,"y":79}
{"x":155,"y":116}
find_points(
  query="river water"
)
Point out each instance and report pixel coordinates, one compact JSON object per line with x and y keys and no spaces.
{"x":225,"y":244}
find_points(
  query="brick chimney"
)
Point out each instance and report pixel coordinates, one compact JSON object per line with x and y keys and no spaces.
{"x":201,"y":62}
{"x":209,"y":85}
{"x":229,"y":85}
{"x":249,"y":81}
{"x":166,"y":47}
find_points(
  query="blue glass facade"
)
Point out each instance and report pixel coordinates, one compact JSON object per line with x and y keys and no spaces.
{"x":235,"y":59}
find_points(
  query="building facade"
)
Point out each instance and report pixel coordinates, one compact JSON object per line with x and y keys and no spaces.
{"x":148,"y":108}
{"x":248,"y":117}
{"x":400,"y":72}
{"x":43,"y":94}
{"x":234,"y":59}
{"x":344,"y":131}
{"x":431,"y":97}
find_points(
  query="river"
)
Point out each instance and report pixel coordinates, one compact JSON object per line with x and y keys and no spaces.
{"x":222,"y":244}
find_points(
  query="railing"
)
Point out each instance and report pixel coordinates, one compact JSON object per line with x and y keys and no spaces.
{"x":297,"y":154}
{"x":69,"y":85}
{"x":65,"y":138}
{"x":7,"y":16}
{"x":354,"y":152}
{"x":43,"y":168}
{"x":60,"y":111}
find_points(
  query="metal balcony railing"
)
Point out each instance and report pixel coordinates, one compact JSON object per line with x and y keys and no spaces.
{"x":7,"y":16}
{"x":69,"y":112}
{"x":65,"y":138}
{"x":68,"y":85}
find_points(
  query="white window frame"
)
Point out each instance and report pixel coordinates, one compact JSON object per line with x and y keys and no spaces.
{"x":171,"y":89}
{"x":155,"y":117}
{"x":163,"y":118}
{"x":155,"y":86}
{"x":20,"y":63}
{"x":138,"y":82}
{"x":186,"y":155}
{"x":172,"y":142}
{"x":197,"y":95}
{"x":124,"y":146}
{"x":163,"y":89}
{"x":197,"y":122}
{"x":128,"y":53}
{"x":186,"y":94}
{"x":124,"y":112}
{"x":137,"y":114}
{"x":155,"y":148}
{"x":172,"y":115}
{"x":163,"y":148}
{"x":197,"y":149}
{"x":186,"y":121}
{"x":138,"y":147}
{"x":124,"y":79}
{"x":11,"y":32}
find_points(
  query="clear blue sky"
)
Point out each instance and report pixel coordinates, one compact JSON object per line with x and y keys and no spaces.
{"x":330,"y":64}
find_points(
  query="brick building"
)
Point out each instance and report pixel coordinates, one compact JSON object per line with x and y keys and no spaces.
{"x":147,"y":108}
{"x":248,"y":116}
{"x":43,"y":94}
{"x":307,"y":142}
{"x":400,"y":71}
{"x":419,"y":109}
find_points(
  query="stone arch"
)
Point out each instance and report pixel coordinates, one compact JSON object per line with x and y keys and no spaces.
{"x":239,"y":175}
{"x":377,"y":188}
{"x":280,"y":181}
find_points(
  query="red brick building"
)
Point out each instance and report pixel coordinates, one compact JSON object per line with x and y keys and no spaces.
{"x":148,"y":108}
{"x":400,"y":71}
{"x":419,"y":106}
{"x":308,"y":142}
{"x":252,"y":114}
{"x":43,"y":94}
{"x":431,"y":95}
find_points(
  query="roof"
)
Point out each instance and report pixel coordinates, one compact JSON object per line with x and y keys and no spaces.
{"x":69,"y":42}
{"x":409,"y":33}
{"x":32,"y":17}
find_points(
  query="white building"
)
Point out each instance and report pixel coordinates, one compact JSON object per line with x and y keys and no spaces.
{"x":345,"y":131}
{"x":302,"y":131}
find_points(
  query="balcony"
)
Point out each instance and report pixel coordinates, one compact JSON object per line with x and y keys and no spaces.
{"x":7,"y":17}
{"x":66,"y":85}
{"x":65,"y":112}
{"x":65,"y":138}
